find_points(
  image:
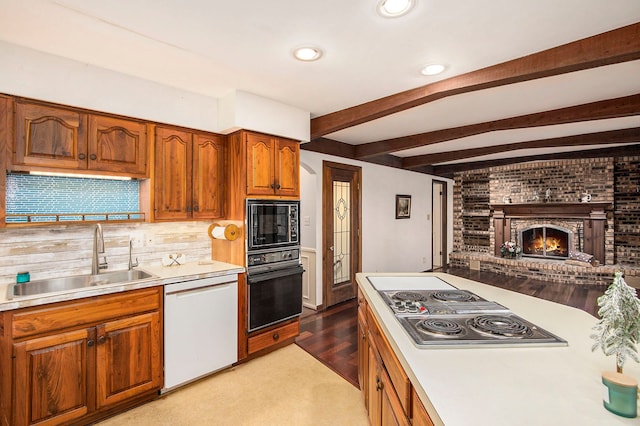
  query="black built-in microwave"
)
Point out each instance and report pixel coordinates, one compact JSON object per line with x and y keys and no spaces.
{"x":272,"y":224}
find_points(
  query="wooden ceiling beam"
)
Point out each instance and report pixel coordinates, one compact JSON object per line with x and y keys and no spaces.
{"x":619,"y":45}
{"x":448,"y":170}
{"x":611,"y":108}
{"x":631,"y":135}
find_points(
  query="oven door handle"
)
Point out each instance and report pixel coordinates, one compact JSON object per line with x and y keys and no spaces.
{"x":278,"y":273}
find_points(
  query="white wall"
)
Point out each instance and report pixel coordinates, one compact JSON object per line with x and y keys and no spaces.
{"x":388,"y":244}
{"x":29,"y":73}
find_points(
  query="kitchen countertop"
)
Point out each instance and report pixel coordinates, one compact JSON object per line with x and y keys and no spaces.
{"x":162,"y":275}
{"x":505,"y":386}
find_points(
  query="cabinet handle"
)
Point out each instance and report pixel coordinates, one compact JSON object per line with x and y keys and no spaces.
{"x":278,"y":186}
{"x":196,"y":208}
{"x":378,"y":384}
{"x":273,"y":186}
{"x":82,"y":156}
{"x":102,"y":339}
{"x":91,"y":342}
{"x":93,"y":156}
{"x":189,"y":208}
{"x":276,"y":336}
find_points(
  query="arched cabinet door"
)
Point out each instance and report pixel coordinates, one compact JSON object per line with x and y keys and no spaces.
{"x":49,"y":137}
{"x":118,"y":145}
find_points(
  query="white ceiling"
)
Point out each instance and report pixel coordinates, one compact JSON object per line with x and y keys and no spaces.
{"x":212,"y":47}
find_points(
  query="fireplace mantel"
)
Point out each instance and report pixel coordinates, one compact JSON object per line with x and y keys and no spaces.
{"x":551,"y":210}
{"x":593,"y":216}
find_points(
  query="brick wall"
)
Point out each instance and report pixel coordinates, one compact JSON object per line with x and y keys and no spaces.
{"x":609,"y":180}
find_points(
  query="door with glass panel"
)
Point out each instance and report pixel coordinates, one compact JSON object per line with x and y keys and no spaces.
{"x":341,"y":220}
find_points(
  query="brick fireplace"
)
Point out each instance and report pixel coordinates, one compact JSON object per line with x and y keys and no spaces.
{"x":583,"y":226}
{"x":502,"y":203}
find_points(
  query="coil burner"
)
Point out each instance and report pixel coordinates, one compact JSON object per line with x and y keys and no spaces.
{"x":409,"y":296}
{"x":441,"y":327}
{"x":500,"y":326}
{"x":455,"y":296}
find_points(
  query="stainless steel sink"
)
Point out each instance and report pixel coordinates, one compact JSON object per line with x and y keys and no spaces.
{"x":51,"y":285}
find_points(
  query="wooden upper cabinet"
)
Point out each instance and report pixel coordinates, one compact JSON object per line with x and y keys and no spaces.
{"x":273,"y":166}
{"x":208,"y":176}
{"x":117,"y":145}
{"x":189,"y":175}
{"x":52,"y":137}
{"x":287,"y":163}
{"x":172,"y":174}
{"x":260,"y":164}
{"x":49,"y":137}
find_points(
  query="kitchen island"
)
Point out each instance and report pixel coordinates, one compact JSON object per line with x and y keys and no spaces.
{"x":497,"y":385}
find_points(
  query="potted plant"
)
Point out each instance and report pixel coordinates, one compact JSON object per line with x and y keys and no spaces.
{"x":617,"y":333}
{"x":510,"y":249}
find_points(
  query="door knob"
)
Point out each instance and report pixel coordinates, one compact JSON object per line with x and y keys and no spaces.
{"x":331,"y":248}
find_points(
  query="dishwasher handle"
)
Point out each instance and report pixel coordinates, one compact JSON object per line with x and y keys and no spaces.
{"x":278,"y":273}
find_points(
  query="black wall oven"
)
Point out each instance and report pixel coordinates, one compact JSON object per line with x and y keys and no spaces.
{"x":274,"y":273}
{"x":274,"y":296}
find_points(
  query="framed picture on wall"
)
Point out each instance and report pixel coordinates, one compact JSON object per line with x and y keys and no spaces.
{"x":403,"y":206}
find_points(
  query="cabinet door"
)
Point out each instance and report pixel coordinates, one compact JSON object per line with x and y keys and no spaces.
{"x":208,"y":176}
{"x":287,"y":168}
{"x":51,"y":378}
{"x":49,"y":137}
{"x":128,"y":358}
{"x":117,"y":145}
{"x":260,"y":164}
{"x":172,"y":174}
{"x":374,"y":386}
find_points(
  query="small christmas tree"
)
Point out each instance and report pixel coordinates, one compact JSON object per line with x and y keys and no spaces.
{"x":618,"y":330}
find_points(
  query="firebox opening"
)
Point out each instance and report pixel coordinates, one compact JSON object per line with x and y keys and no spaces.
{"x":545,"y":241}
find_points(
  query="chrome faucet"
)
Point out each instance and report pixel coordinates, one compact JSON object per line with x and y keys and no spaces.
{"x":98,"y":248}
{"x":131,"y":263}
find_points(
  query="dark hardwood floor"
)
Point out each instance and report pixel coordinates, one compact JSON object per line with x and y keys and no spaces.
{"x":331,"y":336}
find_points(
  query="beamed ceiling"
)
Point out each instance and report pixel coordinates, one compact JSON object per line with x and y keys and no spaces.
{"x":612,"y":47}
{"x":524,"y":80}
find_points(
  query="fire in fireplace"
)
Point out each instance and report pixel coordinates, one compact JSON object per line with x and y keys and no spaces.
{"x":545,"y":241}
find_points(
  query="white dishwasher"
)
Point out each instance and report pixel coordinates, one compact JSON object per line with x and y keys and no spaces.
{"x":200,"y":328}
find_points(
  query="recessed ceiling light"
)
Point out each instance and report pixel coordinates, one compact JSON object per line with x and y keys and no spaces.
{"x":433,"y":69}
{"x":395,"y":8}
{"x":307,"y":53}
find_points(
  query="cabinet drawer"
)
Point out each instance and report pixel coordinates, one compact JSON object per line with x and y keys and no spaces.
{"x":84,"y":312}
{"x":398,"y":377}
{"x":273,"y":336}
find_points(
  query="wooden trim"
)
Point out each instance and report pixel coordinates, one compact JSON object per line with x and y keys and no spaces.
{"x":610,"y":108}
{"x":447,"y":170}
{"x":619,"y":45}
{"x":551,"y":210}
{"x":600,"y":138}
{"x":6,"y":143}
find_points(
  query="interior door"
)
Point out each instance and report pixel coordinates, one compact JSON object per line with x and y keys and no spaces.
{"x":439,"y":224}
{"x":341,"y":218}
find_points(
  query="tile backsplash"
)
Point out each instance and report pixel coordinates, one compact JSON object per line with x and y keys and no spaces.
{"x":28,"y":194}
{"x":62,"y":250}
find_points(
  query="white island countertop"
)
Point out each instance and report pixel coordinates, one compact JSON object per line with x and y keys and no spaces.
{"x":162,"y":275}
{"x":493,"y":385}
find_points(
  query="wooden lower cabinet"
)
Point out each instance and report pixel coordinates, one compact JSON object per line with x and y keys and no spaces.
{"x":74,"y":362}
{"x":388,"y":394}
